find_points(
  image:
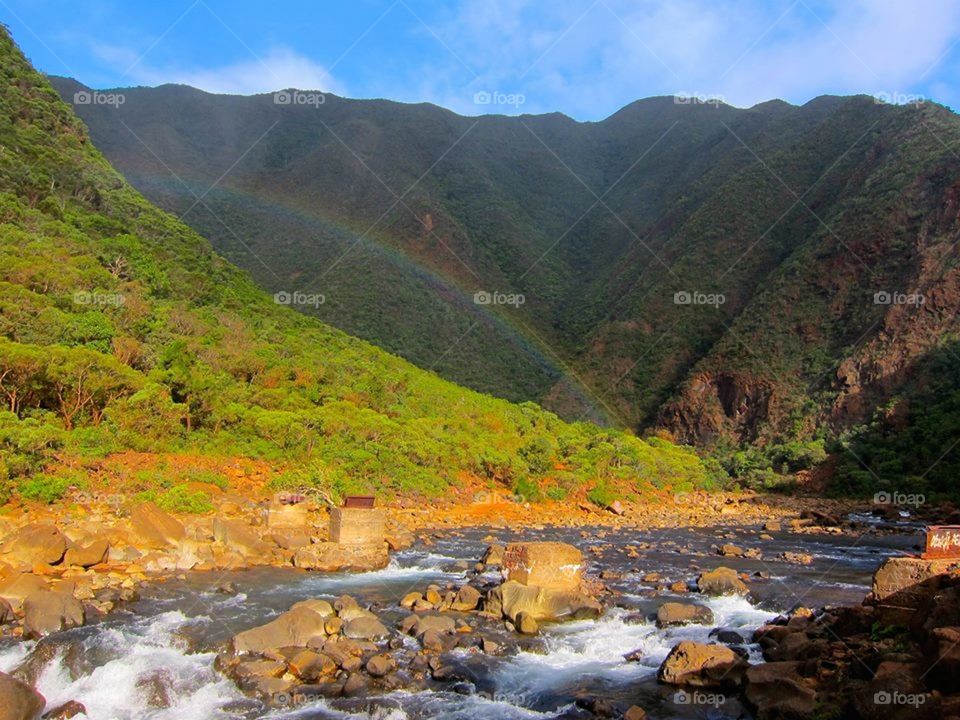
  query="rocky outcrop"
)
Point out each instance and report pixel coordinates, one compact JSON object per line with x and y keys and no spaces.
{"x":698,"y":665}
{"x":549,"y":565}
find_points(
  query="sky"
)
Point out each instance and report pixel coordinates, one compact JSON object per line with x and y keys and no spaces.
{"x":584,"y":58}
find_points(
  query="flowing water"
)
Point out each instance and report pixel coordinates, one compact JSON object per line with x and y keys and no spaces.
{"x":154,"y":659}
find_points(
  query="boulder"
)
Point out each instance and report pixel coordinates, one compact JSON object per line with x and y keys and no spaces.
{"x":721,"y":581}
{"x":526,"y":624}
{"x":776,"y":690}
{"x":310,"y":665}
{"x":19,"y":701}
{"x":87,"y":555}
{"x":673,"y":613}
{"x":334,"y":557}
{"x":6,"y":612}
{"x":365,"y":628}
{"x":155,"y":528}
{"x":15,"y":588}
{"x":511,"y":598}
{"x":321,"y":607}
{"x":294,"y":628}
{"x":239,"y":536}
{"x":438,"y":623}
{"x":909,"y":582}
{"x":468,"y":597}
{"x":550,"y":565}
{"x":698,"y":665}
{"x":380,"y":665}
{"x":46,"y":612}
{"x":35,"y":544}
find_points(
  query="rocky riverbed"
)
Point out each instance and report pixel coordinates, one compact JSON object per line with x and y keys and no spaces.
{"x":435,"y":634}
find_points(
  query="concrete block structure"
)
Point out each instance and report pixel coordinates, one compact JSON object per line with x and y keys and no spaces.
{"x":357,"y":526}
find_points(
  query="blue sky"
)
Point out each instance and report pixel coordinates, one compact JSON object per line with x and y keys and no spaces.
{"x":585,"y":58}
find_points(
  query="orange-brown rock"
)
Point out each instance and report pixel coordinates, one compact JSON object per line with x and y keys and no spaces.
{"x":550,"y":565}
{"x":698,"y":665}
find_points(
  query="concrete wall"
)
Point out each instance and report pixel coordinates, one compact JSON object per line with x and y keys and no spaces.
{"x":356,"y":526}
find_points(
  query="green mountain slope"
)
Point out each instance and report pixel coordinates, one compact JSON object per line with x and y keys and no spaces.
{"x":121,"y":329}
{"x":791,"y":218}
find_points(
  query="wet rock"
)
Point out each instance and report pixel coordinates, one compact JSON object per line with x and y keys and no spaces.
{"x":335,"y":557}
{"x":154,"y":527}
{"x":673,"y":613}
{"x":380,"y":665}
{"x":355,"y":685}
{"x":697,"y":665}
{"x":411,"y":599}
{"x":511,"y":598}
{"x":772,"y":526}
{"x":468,"y":598}
{"x":226,"y":587}
{"x":19,"y":701}
{"x":597,"y":706}
{"x":437,"y":623}
{"x":365,"y":628}
{"x":35,"y":544}
{"x":797,"y":558}
{"x":310,"y":665}
{"x":88,"y":555}
{"x":730,"y":550}
{"x":721,"y":581}
{"x":777,"y":690}
{"x":294,"y":628}
{"x":46,"y":611}
{"x":399,"y":540}
{"x":321,"y":607}
{"x":679,"y":587}
{"x":728,"y":637}
{"x":67,"y":710}
{"x":550,"y":565}
{"x":526,"y":624}
{"x":635,"y":712}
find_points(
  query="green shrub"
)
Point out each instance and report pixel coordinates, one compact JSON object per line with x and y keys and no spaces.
{"x":45,"y":488}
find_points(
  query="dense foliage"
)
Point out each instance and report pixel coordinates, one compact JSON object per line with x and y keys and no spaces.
{"x":121,"y":329}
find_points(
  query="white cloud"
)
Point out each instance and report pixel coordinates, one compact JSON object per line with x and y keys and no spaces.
{"x":621,"y":50}
{"x":280,"y":68}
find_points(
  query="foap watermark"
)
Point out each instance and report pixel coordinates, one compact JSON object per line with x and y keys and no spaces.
{"x":694,"y":98}
{"x":898,"y":98}
{"x":695,"y":297}
{"x":298,"y":98}
{"x":683,"y":697}
{"x":899,"y":498}
{"x":95,"y":97}
{"x":895,"y":697}
{"x":99,"y":299}
{"x":486,"y":97}
{"x":892,"y":297}
{"x":483,"y":297}
{"x":298,"y":298}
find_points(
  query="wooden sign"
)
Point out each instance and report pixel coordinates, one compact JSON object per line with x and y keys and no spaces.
{"x":943,"y":542}
{"x":358,"y":501}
